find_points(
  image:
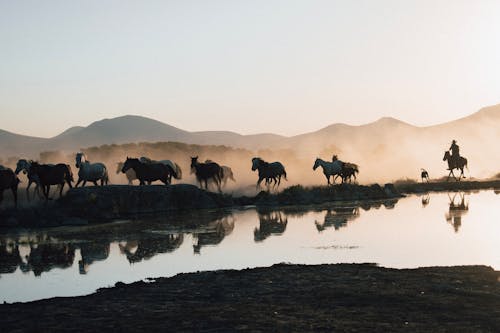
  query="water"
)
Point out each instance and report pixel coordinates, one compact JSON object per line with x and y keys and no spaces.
{"x":436,"y":230}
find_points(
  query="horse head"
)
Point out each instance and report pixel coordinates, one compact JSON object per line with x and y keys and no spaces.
{"x":316,"y":163}
{"x":256,"y":162}
{"x":79,"y":159}
{"x":446,"y":155}
{"x":194,"y":161}
{"x":129,"y":163}
{"x":22,"y":165}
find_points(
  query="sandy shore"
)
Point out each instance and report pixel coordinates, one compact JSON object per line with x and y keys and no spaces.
{"x":284,"y":298}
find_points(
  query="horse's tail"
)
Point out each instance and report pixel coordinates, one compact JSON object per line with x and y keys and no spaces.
{"x":231,"y":175}
{"x":178,"y":171}
{"x":105,"y":177}
{"x":284,"y":174}
{"x":221,"y":173}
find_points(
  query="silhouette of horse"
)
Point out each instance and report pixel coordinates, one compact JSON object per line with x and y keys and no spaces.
{"x":3,"y":168}
{"x":24,"y":166}
{"x":348,"y":171}
{"x":91,"y":172}
{"x":227,"y":173}
{"x":268,"y":171}
{"x":338,"y":217}
{"x":207,"y":171}
{"x":48,"y":175}
{"x":8,"y":180}
{"x":424,"y":175}
{"x":329,"y":168}
{"x":148,"y":172}
{"x":456,"y":211}
{"x":458,"y":163}
{"x":270,"y":223}
{"x":130,"y":173}
{"x":176,"y":170}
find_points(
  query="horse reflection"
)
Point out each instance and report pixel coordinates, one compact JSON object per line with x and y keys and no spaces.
{"x":45,"y":257}
{"x":10,"y":258}
{"x":426,"y":198}
{"x":139,"y":250}
{"x":270,"y":223}
{"x":214,"y":233}
{"x":91,"y":252}
{"x":338,"y":218}
{"x":456,"y":210}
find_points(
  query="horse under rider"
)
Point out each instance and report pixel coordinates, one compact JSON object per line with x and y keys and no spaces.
{"x":455,"y":150}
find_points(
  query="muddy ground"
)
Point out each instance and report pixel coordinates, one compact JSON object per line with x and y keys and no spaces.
{"x":282,"y":298}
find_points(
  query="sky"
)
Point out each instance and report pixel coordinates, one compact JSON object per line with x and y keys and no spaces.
{"x":280,"y":66}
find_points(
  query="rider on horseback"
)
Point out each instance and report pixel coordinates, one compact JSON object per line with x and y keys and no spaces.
{"x":455,"y":151}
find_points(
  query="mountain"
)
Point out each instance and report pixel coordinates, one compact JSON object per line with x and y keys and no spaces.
{"x":387,"y":147}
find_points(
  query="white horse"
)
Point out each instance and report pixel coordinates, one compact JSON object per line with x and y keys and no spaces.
{"x":130,"y":173}
{"x":329,"y":168}
{"x":24,"y":166}
{"x":176,"y":169}
{"x":91,"y":172}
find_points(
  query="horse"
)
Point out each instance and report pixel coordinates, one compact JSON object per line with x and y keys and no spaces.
{"x":130,"y":173}
{"x":424,"y":175}
{"x":24,"y":166}
{"x":227,"y":173}
{"x":91,"y":172}
{"x":349,"y":170}
{"x":148,"y":172}
{"x":176,"y":170}
{"x":329,"y":169}
{"x":8,"y":180}
{"x":48,"y":175}
{"x":458,"y":163}
{"x":268,"y":171}
{"x":207,"y":171}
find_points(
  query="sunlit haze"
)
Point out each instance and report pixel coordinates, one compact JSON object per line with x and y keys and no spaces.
{"x":286,"y":67}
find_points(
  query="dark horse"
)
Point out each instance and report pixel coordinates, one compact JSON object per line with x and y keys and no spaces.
{"x":148,"y":172}
{"x":268,"y":171}
{"x":455,"y":163}
{"x":8,"y":179}
{"x":48,"y":175}
{"x":206,"y":171}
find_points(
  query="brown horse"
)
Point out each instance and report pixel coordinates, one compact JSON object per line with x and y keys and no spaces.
{"x":455,"y":163}
{"x":207,"y":171}
{"x":8,"y":180}
{"x":48,"y":175}
{"x":148,"y":172}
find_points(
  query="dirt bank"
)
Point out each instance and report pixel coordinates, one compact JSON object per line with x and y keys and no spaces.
{"x":281,"y":298}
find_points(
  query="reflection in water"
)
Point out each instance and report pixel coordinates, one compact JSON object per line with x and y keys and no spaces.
{"x":270,"y":223}
{"x":426,"y":198}
{"x":214,"y":233}
{"x":91,"y":252}
{"x":138,"y":250}
{"x":456,"y":210}
{"x":95,"y":256}
{"x":338,"y":218}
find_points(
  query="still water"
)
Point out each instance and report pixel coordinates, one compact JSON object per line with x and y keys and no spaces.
{"x":439,"y":229}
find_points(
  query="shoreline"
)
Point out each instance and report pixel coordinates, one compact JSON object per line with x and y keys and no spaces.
{"x":281,"y":297}
{"x":88,"y":205}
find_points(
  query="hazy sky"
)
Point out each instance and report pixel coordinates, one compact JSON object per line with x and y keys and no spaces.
{"x":249,"y":66}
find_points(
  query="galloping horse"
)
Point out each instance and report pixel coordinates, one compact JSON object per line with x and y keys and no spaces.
{"x":268,"y":171}
{"x":48,"y":175}
{"x":130,"y":173}
{"x":91,"y":172}
{"x":329,"y":168}
{"x":458,"y":163}
{"x":8,"y":179}
{"x":227,"y":173}
{"x":207,"y":171}
{"x":24,"y":166}
{"x":148,"y":172}
{"x":176,"y":170}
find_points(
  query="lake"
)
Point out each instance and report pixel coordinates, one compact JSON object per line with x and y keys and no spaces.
{"x":437,"y":229}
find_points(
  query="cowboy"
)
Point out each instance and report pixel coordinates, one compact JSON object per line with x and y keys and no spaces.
{"x":455,"y":151}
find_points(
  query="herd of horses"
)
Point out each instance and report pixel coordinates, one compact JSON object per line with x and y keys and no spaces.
{"x":147,"y":171}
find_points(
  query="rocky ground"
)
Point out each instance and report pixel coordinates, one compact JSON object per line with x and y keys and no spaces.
{"x":283,"y":298}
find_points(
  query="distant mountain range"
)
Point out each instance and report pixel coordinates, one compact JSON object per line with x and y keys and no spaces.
{"x":478,"y":134}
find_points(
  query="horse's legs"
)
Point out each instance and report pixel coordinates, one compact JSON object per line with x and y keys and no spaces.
{"x":78,"y":182}
{"x":259,"y":181}
{"x":14,"y":193}
{"x":28,"y":190}
{"x":95,"y":183}
{"x":61,"y":186}
{"x":327,"y":179}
